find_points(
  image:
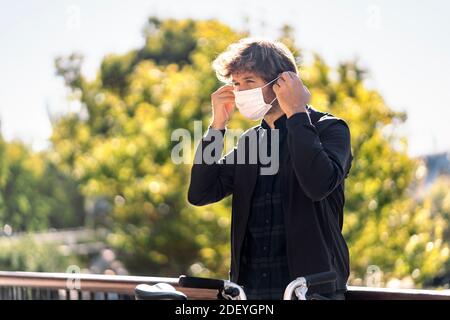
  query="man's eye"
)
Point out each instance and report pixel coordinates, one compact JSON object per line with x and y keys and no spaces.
{"x":250,"y":81}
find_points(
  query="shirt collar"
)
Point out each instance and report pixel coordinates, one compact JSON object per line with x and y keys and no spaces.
{"x":280,"y":123}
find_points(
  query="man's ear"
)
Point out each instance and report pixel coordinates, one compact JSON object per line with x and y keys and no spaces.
{"x":272,"y":88}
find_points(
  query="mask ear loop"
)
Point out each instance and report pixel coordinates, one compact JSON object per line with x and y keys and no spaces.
{"x":270,"y":83}
{"x":273,"y":101}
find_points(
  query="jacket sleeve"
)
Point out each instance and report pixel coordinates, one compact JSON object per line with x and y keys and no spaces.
{"x":322,"y":162}
{"x":212,"y":177}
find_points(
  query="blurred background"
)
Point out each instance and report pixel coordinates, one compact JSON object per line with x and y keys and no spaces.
{"x":91,"y":92}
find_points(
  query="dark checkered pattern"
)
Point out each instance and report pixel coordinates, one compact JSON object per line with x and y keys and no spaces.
{"x":264,"y":273}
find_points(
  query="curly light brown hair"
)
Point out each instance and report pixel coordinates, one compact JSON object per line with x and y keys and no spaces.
{"x":263,"y":57}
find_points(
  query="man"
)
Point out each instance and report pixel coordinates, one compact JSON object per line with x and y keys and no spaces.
{"x":286,"y":224}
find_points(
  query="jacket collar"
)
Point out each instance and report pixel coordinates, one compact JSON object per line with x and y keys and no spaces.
{"x":280,"y":123}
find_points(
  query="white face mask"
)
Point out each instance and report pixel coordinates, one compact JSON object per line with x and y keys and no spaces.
{"x":251,"y":102}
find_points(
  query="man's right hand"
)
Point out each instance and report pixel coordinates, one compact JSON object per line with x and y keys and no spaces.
{"x":222,"y":101}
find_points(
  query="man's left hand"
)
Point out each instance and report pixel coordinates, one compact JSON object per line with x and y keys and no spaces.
{"x":292,"y":94}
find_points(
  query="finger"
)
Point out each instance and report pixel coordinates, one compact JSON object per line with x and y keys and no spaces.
{"x":282,"y":84}
{"x":287,"y":75}
{"x":292,"y":75}
{"x":225,"y":93}
{"x":225,"y":88}
{"x":279,"y":82}
{"x":299,"y":78}
{"x":308,"y":93}
{"x":276,"y":87}
{"x":283,"y":76}
{"x":225,"y":99}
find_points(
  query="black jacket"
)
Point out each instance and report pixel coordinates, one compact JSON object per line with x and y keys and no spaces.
{"x":313,"y":174}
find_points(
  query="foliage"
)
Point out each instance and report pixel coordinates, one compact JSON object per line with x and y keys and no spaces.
{"x":34,"y":194}
{"x":27,"y":254}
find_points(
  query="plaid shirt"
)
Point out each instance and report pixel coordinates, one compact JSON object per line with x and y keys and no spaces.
{"x":264,"y":272}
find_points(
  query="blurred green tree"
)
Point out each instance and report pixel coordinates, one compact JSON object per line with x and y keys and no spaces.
{"x":28,"y":254}
{"x":34,"y":194}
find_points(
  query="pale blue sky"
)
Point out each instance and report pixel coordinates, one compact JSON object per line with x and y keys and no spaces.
{"x":403,"y":43}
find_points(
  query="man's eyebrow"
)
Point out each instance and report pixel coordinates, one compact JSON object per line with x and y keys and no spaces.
{"x":244,"y":78}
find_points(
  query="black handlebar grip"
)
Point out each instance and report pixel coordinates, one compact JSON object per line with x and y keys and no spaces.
{"x":320,"y":278}
{"x":200,"y":283}
{"x":234,"y":292}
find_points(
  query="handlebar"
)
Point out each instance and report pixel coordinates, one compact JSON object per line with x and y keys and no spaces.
{"x":227,"y":289}
{"x":230,"y":290}
{"x":200,"y":283}
{"x":300,"y":285}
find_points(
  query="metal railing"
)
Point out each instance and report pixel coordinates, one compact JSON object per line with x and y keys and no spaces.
{"x":16,"y":285}
{"x":76,"y":286}
{"x":370,"y":293}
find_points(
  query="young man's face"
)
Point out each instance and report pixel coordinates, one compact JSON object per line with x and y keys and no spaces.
{"x":249,"y":80}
